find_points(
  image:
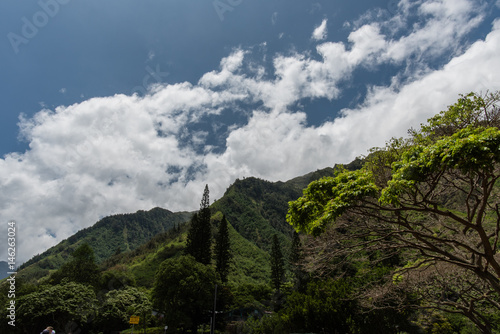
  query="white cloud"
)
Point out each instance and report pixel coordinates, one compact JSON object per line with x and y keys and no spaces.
{"x":274,"y":18}
{"x":367,"y":41}
{"x":151,"y":55}
{"x":321,"y":31}
{"x":315,"y":7}
{"x":447,"y":21}
{"x":124,"y":153}
{"x":273,"y":140}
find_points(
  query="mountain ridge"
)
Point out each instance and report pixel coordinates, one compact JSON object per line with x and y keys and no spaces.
{"x":111,"y":234}
{"x":255,"y":208}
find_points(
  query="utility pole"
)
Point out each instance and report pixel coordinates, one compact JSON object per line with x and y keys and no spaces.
{"x":212,"y":329}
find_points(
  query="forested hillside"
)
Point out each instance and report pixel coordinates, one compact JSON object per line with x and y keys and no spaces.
{"x":110,"y":235}
{"x":255,"y":208}
{"x":129,"y":248}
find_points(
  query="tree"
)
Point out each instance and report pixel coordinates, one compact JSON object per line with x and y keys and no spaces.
{"x":295,"y":258}
{"x":199,"y":238}
{"x":277,"y":264}
{"x":434,"y":197}
{"x":68,"y":306}
{"x":81,"y":268}
{"x":222,"y":250}
{"x":183,"y":290}
{"x":116,"y":279}
{"x":325,"y":307}
{"x":119,"y":305}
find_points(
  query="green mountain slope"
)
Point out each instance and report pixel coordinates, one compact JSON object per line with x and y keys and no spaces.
{"x":250,"y":265}
{"x":108,"y":236}
{"x":255,"y":209}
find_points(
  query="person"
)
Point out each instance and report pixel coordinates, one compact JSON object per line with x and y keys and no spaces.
{"x":48,"y":330}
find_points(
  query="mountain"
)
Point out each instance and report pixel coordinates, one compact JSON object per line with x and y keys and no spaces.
{"x":255,"y":209}
{"x":110,"y":235}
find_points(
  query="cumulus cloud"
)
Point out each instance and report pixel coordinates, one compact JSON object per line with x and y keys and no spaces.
{"x":448,"y":19}
{"x":124,"y":153}
{"x":321,"y":31}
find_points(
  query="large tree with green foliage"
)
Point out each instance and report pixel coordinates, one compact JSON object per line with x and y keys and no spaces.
{"x":433,"y":196}
{"x":325,"y":307}
{"x":69,"y":306}
{"x":222,"y":250}
{"x":184,"y":291}
{"x":81,"y":268}
{"x":117,"y":307}
{"x":199,"y":239}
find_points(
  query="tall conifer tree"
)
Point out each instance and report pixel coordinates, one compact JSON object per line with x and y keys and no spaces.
{"x":223,"y":254}
{"x":295,"y":258}
{"x":277,"y":264}
{"x":199,"y":239}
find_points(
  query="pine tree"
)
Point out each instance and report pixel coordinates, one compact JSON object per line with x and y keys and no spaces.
{"x":295,"y":258}
{"x":199,"y":238}
{"x":277,"y":264}
{"x":223,"y":254}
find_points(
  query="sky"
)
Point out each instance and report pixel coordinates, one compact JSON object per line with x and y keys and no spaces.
{"x":116,"y":106}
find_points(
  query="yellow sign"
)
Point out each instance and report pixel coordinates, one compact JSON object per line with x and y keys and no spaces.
{"x":134,"y":320}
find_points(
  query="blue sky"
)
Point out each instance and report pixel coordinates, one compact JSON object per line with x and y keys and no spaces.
{"x":111,"y":107}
